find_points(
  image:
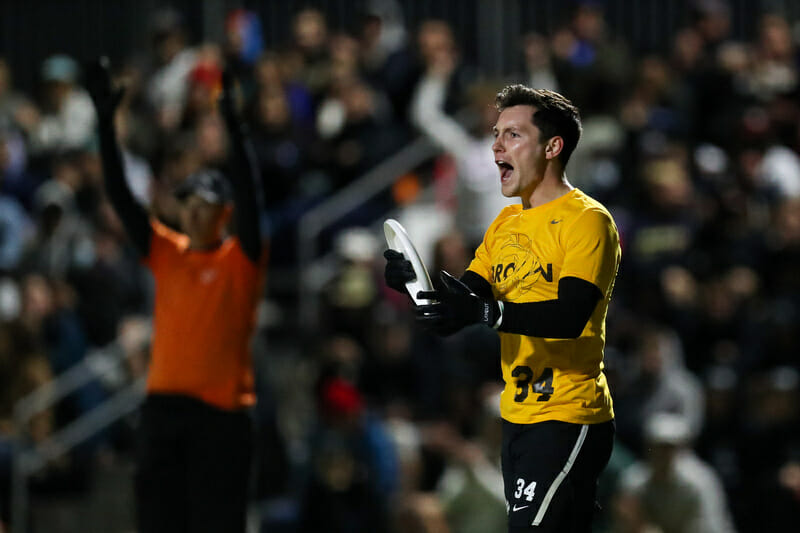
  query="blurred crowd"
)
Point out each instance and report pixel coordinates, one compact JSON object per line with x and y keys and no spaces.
{"x":365,"y":422}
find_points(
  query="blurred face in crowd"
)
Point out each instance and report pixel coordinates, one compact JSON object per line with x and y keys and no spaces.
{"x":775,"y":38}
{"x":588,"y":23}
{"x":520,"y":153}
{"x":714,"y":24}
{"x":435,"y":41}
{"x":56,"y":93}
{"x":273,"y":110}
{"x":203,"y":222}
{"x":310,"y":29}
{"x":168,"y":44}
{"x":268,"y":72}
{"x":211,"y":139}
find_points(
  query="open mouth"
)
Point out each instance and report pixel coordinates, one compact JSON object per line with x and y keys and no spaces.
{"x":505,"y":170}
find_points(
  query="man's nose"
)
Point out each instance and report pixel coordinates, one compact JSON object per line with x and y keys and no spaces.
{"x":497,"y":146}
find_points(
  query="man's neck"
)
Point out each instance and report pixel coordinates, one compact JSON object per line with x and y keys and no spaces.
{"x":550,"y":188}
{"x":205,"y":245}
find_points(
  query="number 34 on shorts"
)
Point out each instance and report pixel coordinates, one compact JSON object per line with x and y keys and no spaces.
{"x":525,"y":492}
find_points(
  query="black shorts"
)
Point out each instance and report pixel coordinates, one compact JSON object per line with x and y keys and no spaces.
{"x":550,"y":472}
{"x":193,"y":466}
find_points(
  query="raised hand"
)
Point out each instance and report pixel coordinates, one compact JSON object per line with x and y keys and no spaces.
{"x":106,"y":98}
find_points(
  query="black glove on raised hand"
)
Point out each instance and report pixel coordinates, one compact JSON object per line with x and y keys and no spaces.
{"x":398,"y":271}
{"x":105,"y":97}
{"x":455,"y":307}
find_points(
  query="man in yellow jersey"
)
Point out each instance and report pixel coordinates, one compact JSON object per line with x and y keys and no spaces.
{"x":542,"y":277}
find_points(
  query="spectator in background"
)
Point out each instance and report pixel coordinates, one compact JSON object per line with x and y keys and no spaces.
{"x":310,"y":43}
{"x":591,"y":64}
{"x":421,"y":513}
{"x":15,"y":224}
{"x":284,"y":146}
{"x":244,"y":44}
{"x":477,"y":200}
{"x":716,"y":103}
{"x":274,"y":74}
{"x":659,"y":383}
{"x":196,"y":437}
{"x":471,"y":486}
{"x":769,"y":422}
{"x":16,"y":180}
{"x":68,"y":121}
{"x":23,"y":369}
{"x":353,"y":468}
{"x":203,"y":85}
{"x":63,"y":242}
{"x":387,"y":59}
{"x":52,"y":324}
{"x":664,"y":231}
{"x":355,"y":122}
{"x":18,"y":119}
{"x":538,"y":56}
{"x":16,"y":111}
{"x":350,"y":297}
{"x":166,"y":86}
{"x":673,"y":490}
{"x":439,"y":54}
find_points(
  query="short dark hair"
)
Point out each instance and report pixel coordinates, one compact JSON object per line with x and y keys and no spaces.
{"x":555,"y":115}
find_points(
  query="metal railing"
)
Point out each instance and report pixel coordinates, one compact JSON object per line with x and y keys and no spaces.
{"x":332,"y":210}
{"x":28,"y":459}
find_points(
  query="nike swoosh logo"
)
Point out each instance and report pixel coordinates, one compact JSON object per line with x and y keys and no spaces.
{"x":556,"y":221}
{"x":515,"y":508}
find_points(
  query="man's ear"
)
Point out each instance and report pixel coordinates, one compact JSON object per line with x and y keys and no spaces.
{"x":227,"y":213}
{"x":553,"y":147}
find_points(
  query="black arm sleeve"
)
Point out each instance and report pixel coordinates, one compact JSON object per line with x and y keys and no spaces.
{"x":477,"y":284}
{"x":133,"y":216}
{"x":244,"y":176}
{"x":563,"y":318}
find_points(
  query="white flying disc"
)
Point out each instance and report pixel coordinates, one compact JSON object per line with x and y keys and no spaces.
{"x":397,"y":239}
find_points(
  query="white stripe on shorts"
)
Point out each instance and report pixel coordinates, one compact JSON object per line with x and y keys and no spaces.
{"x":561,"y":475}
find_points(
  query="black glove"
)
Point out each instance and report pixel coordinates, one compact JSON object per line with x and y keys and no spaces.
{"x":106,"y":98}
{"x":399,"y":270}
{"x":455,"y":307}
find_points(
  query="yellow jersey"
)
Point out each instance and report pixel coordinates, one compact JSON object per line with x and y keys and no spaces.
{"x":524,"y":254}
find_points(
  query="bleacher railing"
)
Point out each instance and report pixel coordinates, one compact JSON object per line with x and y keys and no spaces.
{"x":28,"y":459}
{"x":335,"y":208}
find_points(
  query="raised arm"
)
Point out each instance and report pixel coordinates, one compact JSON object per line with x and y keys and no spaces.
{"x":427,"y":113}
{"x":106,"y":100}
{"x":243,"y":174}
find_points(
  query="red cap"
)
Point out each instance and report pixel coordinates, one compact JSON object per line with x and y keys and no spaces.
{"x":341,"y":398}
